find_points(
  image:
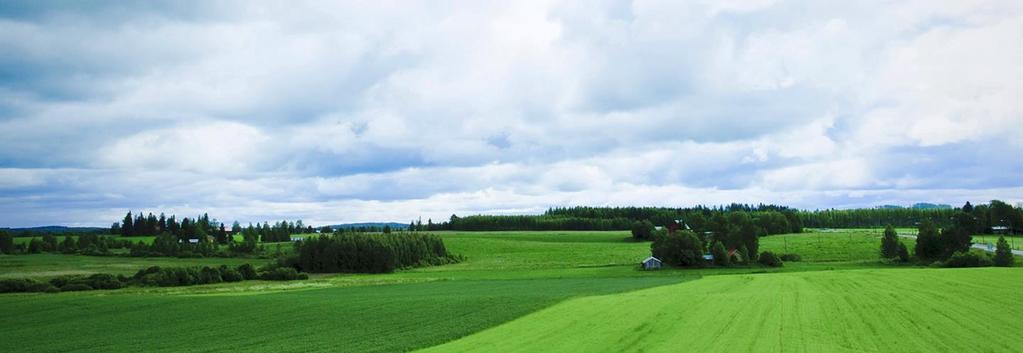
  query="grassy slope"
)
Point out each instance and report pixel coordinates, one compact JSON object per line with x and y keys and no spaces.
{"x":894,"y":310}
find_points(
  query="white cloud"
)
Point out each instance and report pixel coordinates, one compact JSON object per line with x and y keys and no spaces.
{"x":377,"y":111}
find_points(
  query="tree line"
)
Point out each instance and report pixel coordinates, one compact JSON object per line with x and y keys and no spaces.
{"x":773,"y":219}
{"x":203,"y":228}
{"x":154,"y":276}
{"x":986,"y":217}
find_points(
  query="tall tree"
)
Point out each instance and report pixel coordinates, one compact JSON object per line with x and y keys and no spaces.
{"x":1003,"y":253}
{"x":929,"y":246}
{"x":889,"y":243}
{"x":6,"y":242}
{"x":128,"y":225}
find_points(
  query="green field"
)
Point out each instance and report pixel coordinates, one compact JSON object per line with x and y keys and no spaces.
{"x":899,"y":310}
{"x":535,"y":291}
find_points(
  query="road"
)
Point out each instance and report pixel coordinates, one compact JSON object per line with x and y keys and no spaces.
{"x":986,"y":247}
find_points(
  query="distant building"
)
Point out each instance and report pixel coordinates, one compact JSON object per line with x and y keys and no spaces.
{"x":651,"y":263}
{"x":708,"y":257}
{"x":193,"y":241}
{"x":1000,"y":230}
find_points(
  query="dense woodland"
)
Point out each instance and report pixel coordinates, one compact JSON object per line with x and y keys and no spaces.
{"x":369,"y":253}
{"x":996,"y":213}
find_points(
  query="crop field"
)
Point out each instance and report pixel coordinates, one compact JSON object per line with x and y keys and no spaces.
{"x":48,"y":265}
{"x":535,"y":291}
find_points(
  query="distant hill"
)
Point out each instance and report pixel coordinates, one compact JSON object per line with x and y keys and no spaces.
{"x":920,"y":206}
{"x":394,"y":225}
{"x":57,"y":230}
{"x":925,"y":206}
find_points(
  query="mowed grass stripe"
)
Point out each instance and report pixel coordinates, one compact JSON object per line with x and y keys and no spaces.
{"x":895,"y":310}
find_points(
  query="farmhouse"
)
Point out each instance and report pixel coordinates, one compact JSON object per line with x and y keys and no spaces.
{"x":651,"y":263}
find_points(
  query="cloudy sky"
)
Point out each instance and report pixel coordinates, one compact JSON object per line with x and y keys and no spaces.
{"x":378,"y":110}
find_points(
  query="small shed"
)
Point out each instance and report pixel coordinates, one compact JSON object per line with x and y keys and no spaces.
{"x":651,"y":263}
{"x":1000,"y":230}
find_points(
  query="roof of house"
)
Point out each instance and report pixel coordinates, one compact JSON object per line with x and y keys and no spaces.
{"x":651,"y":258}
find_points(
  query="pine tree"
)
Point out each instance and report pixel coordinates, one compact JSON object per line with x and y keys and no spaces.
{"x":889,"y":243}
{"x":1003,"y":253}
{"x":128,"y":226}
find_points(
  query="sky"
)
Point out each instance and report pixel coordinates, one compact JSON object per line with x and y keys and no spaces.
{"x":356,"y":111}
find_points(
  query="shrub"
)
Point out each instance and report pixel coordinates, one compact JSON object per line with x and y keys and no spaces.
{"x":1003,"y":254}
{"x":41,"y":287}
{"x":248,"y":272}
{"x":969,"y":259}
{"x":14,"y":285}
{"x":209,"y":275}
{"x":102,"y":281}
{"x":75,"y":287}
{"x":791,"y":258}
{"x":769,"y":259}
{"x":230,"y":275}
{"x":282,"y":274}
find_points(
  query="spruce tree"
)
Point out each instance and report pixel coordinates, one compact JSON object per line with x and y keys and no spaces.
{"x":889,"y":243}
{"x":1003,"y":253}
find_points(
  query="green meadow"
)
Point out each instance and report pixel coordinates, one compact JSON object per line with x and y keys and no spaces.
{"x":536,"y":291}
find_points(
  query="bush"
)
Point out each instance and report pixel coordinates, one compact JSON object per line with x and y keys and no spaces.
{"x":769,"y":259}
{"x":230,"y":275}
{"x":209,"y":275}
{"x":248,"y":272}
{"x":15,"y":285}
{"x":75,"y":287}
{"x":102,"y":281}
{"x":282,"y":274}
{"x":42,"y":287}
{"x":791,"y":258}
{"x":969,"y":259}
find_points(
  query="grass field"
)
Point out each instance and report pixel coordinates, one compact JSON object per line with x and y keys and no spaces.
{"x":898,"y":310}
{"x":528,"y":284}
